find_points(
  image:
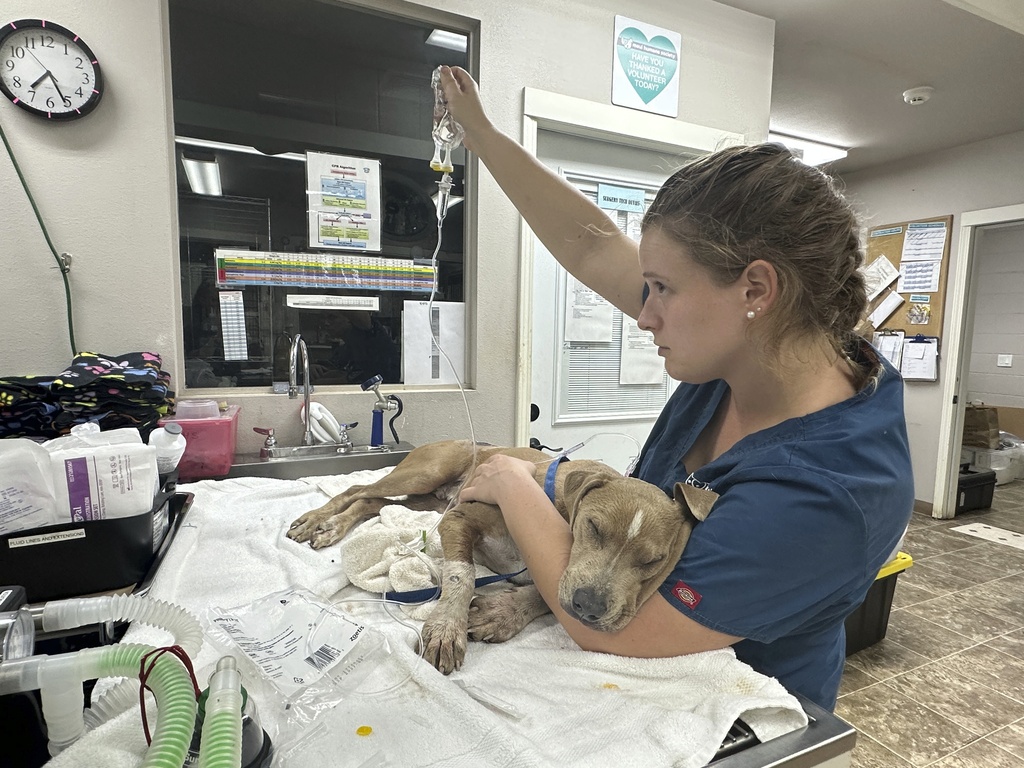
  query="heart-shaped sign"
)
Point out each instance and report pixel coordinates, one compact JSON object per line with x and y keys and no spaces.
{"x":649,"y":65}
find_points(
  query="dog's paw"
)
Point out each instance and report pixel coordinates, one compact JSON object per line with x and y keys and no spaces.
{"x":444,"y":644}
{"x":498,"y":616}
{"x":304,"y":527}
{"x":325,"y":535}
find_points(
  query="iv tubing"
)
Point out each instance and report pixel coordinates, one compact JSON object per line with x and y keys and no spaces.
{"x":79,"y":612}
{"x":59,"y":681}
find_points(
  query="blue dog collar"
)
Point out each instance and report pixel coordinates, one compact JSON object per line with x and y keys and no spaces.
{"x":549,"y":478}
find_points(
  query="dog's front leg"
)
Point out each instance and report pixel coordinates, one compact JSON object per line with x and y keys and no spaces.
{"x":500,"y":616}
{"x":445,"y":633}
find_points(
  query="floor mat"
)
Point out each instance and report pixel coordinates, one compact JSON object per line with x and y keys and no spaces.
{"x":991,"y":533}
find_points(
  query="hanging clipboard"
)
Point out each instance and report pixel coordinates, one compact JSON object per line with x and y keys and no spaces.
{"x":920,"y":358}
{"x":890,"y":345}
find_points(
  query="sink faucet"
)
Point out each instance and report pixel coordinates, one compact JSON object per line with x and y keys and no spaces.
{"x":293,"y":390}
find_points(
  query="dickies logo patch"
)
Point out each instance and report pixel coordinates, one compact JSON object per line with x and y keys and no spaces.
{"x":686,"y":595}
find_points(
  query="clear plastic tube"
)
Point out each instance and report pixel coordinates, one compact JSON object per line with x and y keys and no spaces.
{"x":80,"y":612}
{"x":59,"y":680}
{"x":221,"y":744}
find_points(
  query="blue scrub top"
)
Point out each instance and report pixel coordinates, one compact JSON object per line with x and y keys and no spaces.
{"x":808,"y":512}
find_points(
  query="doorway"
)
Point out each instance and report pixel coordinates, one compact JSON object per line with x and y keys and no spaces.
{"x":956,"y":387}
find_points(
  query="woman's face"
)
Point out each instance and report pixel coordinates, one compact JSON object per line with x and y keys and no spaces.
{"x":698,"y":325}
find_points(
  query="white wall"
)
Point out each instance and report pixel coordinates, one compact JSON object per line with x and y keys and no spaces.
{"x":998,"y":317}
{"x":105,"y":187}
{"x":976,"y":176}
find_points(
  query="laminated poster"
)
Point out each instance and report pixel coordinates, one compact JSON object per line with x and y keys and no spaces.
{"x":344,"y":201}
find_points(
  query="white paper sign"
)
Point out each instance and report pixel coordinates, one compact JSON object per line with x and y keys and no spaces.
{"x":344,"y":201}
{"x":645,"y":67}
{"x":423,"y":359}
{"x":639,"y":362}
{"x":588,"y":317}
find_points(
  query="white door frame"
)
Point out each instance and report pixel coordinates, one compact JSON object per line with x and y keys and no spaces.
{"x":954,"y":390}
{"x":543,"y":110}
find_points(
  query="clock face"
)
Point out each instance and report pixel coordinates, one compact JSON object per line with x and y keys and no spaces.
{"x":48,"y":70}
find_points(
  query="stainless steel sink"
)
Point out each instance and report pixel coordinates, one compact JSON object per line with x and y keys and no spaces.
{"x":293,"y":462}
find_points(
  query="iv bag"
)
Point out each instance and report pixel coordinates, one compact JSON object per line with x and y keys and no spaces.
{"x":447,"y":133}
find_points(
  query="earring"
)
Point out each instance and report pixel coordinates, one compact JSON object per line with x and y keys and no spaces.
{"x":751,"y":314}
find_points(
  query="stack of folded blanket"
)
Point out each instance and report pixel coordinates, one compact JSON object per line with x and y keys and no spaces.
{"x":114,"y":391}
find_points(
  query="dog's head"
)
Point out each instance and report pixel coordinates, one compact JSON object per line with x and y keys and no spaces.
{"x":627,"y":537}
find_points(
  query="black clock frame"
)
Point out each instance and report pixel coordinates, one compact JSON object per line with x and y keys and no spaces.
{"x":19,"y":25}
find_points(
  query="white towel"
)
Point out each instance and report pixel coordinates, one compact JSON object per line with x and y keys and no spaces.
{"x":556,"y":704}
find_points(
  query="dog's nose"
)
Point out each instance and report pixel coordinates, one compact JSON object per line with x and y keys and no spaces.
{"x":588,"y":605}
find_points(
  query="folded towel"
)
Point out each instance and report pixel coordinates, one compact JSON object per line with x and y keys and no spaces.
{"x":537,"y":700}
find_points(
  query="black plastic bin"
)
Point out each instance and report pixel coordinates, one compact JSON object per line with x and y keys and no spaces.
{"x":868,"y":624}
{"x":974,"y":489}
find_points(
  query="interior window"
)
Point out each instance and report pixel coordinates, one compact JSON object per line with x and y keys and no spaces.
{"x":257,"y":85}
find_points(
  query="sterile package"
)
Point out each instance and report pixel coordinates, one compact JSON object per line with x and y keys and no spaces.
{"x":302,"y":651}
{"x":26,"y":486}
{"x":100,"y":475}
{"x":87,"y":475}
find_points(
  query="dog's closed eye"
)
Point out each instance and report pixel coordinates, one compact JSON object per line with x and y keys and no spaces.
{"x":652,"y":562}
{"x":594,"y":530}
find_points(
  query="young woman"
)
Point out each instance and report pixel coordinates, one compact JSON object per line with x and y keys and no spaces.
{"x":746,"y":274}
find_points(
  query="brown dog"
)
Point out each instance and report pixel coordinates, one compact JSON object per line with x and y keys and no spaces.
{"x":627,"y":537}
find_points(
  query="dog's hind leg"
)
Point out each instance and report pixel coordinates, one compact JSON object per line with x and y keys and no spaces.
{"x":445,"y":631}
{"x":500,"y":616}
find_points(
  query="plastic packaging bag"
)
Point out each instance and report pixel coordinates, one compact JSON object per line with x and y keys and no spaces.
{"x":26,"y":486}
{"x":99,"y":475}
{"x":301,"y":652}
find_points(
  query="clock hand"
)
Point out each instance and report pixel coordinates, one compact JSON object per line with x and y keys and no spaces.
{"x":45,"y":74}
{"x":54,"y":81}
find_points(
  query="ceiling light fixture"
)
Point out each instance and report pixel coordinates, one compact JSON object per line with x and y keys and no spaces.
{"x":203,"y":175}
{"x":808,"y":151}
{"x":453,"y":41}
{"x":207,"y":144}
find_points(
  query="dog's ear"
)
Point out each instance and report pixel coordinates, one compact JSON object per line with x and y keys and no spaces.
{"x":698,"y":500}
{"x":578,"y":484}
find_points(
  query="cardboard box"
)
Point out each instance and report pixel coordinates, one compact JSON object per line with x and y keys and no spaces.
{"x":869,"y":623}
{"x":209,"y":444}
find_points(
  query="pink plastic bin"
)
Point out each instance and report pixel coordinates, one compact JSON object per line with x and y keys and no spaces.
{"x":209,"y":444}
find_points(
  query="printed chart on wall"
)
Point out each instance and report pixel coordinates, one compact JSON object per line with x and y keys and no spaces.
{"x":344,"y":201}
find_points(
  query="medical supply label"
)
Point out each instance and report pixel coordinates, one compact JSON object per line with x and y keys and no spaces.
{"x":294,"y":646}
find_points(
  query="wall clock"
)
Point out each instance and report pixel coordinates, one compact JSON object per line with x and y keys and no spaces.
{"x":48,"y":70}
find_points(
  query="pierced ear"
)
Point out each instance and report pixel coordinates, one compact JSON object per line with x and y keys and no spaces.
{"x":760,"y":284}
{"x":577,"y":485}
{"x":698,"y":500}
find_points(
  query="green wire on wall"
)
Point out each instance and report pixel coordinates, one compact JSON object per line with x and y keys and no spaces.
{"x":63,"y":265}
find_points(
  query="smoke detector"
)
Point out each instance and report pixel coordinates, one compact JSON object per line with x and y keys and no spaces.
{"x":915,"y":96}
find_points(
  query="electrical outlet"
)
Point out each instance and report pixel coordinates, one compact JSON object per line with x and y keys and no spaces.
{"x":1004,"y":361}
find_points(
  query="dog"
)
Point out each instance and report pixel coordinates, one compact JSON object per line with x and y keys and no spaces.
{"x":627,"y":536}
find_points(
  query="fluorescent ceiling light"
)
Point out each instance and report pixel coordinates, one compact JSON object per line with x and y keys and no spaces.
{"x":810,"y":152}
{"x":203,"y":176}
{"x":453,"y":41}
{"x":206,"y":144}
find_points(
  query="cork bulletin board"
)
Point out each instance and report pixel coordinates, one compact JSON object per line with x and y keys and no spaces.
{"x":906,"y":268}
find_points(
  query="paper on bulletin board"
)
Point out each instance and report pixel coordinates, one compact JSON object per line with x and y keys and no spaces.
{"x":422,"y":361}
{"x":878,"y":275}
{"x":344,"y":201}
{"x":882,"y":312}
{"x":645,"y":67}
{"x":639,"y":361}
{"x":890,"y":346}
{"x":588,"y":317}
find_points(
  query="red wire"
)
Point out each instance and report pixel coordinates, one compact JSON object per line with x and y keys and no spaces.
{"x":144,"y":672}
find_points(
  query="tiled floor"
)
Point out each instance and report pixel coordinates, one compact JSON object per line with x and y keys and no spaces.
{"x":945,"y":687}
